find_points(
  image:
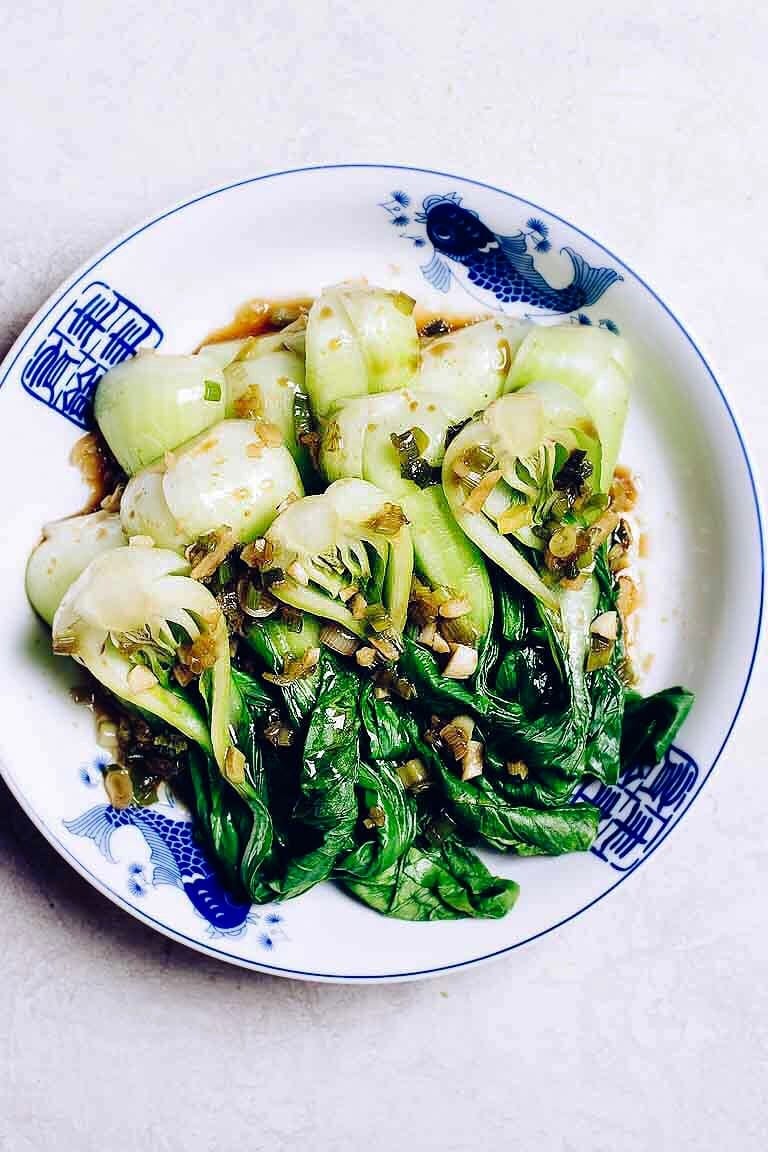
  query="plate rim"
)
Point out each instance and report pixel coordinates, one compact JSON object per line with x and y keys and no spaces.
{"x":88,"y":266}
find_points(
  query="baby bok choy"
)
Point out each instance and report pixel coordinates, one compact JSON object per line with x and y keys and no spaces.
{"x":291,"y":339}
{"x":592,"y":363}
{"x":517,"y":479}
{"x":232,"y":477}
{"x":153,"y":403}
{"x":265,"y":380}
{"x":463,"y":371}
{"x":352,"y":703}
{"x":66,"y":550}
{"x":131,"y":618}
{"x":360,"y":340}
{"x":345,"y":556}
{"x":397,"y":441}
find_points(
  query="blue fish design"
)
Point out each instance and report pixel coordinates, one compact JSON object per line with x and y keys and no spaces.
{"x":502,"y":264}
{"x":176,"y":858}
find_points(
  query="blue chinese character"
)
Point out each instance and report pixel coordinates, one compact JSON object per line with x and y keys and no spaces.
{"x":671,"y":782}
{"x":47,"y":372}
{"x":627,"y":834}
{"x":75,"y":401}
{"x":99,"y":329}
{"x":123,"y":342}
{"x":636,"y":811}
{"x":87,"y":317}
{"x":603,"y":796}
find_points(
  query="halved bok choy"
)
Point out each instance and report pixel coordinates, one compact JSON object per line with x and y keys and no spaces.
{"x":592,"y":363}
{"x":517,"y":479}
{"x":291,"y":339}
{"x":359,"y":340}
{"x":153,"y":402}
{"x":344,"y":556}
{"x":232,"y":476}
{"x":266,"y":380}
{"x":129,"y":618}
{"x":397,"y":442}
{"x":66,"y":550}
{"x":463,"y":371}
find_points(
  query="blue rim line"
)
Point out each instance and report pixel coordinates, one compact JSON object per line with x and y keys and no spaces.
{"x":332,"y":976}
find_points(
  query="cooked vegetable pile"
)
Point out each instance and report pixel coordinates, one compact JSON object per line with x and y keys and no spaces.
{"x":361,"y":599}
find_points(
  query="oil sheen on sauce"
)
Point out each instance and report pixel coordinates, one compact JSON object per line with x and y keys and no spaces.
{"x":98,"y":468}
{"x":258,"y":317}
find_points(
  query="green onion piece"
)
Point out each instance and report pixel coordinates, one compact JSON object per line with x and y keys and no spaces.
{"x":403,"y":303}
{"x":419,"y":472}
{"x":479,"y":458}
{"x":224,"y":573}
{"x":410,"y":444}
{"x":436,"y":327}
{"x":404,"y":444}
{"x":212,"y":390}
{"x":593,"y":507}
{"x":414,"y":775}
{"x":600,"y":653}
{"x":255,"y":602}
{"x":560,"y":507}
{"x":144,"y":787}
{"x":378,"y":618}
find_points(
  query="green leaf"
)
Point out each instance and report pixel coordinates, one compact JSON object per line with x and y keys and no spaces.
{"x":222,"y":821}
{"x":249,"y":703}
{"x":326,"y":814}
{"x":254,"y":697}
{"x":527,"y":831}
{"x":434,"y":691}
{"x":602,"y":756}
{"x":380,"y":788}
{"x":275,"y":643}
{"x":651,"y":724}
{"x":442,"y":881}
{"x":390,"y":729}
{"x":561,"y":741}
{"x":525,"y":675}
{"x":511,"y":611}
{"x":235,"y":825}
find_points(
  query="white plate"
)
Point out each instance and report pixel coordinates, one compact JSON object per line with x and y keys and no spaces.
{"x":170,"y":282}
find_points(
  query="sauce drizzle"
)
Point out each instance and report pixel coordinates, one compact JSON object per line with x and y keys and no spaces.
{"x":257,"y":317}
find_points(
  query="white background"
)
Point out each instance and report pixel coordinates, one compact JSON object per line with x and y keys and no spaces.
{"x":641,"y":1025}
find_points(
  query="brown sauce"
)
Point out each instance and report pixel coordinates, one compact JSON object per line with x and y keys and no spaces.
{"x":98,"y":468}
{"x":440,"y":324}
{"x":258,"y":317}
{"x":623,"y":490}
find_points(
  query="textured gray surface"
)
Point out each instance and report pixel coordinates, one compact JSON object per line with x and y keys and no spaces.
{"x":642,"y":1024}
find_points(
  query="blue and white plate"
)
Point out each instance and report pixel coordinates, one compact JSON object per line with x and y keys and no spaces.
{"x":457,"y":246}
